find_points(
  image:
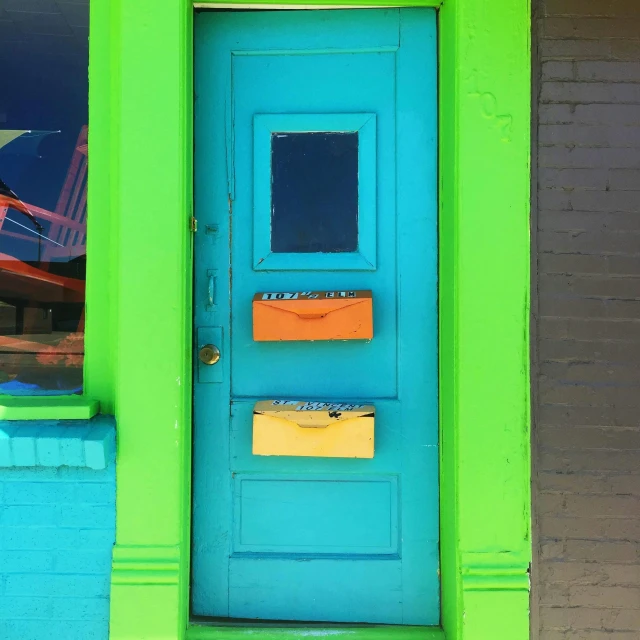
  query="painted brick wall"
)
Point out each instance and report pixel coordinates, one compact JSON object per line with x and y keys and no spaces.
{"x":57,"y":529}
{"x":587,"y":331}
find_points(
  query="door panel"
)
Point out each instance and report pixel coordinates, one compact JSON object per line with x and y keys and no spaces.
{"x":280,"y":514}
{"x":316,"y":539}
{"x":323,"y":82}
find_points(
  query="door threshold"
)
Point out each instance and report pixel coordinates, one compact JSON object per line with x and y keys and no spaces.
{"x":219,"y":630}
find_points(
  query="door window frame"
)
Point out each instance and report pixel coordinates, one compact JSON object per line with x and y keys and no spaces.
{"x":266,"y":125}
{"x":139,"y":277}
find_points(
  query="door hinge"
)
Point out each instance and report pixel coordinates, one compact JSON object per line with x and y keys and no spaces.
{"x":193,"y":224}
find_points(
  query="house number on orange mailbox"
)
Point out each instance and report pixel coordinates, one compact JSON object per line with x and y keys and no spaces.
{"x":313,"y":315}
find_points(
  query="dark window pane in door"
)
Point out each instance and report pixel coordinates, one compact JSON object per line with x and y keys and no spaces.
{"x":314,"y":192}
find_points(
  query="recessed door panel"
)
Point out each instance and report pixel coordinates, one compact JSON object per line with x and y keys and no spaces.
{"x":320,"y":515}
{"x":265,"y":104}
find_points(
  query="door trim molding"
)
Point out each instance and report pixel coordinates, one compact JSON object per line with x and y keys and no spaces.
{"x":141,"y":179}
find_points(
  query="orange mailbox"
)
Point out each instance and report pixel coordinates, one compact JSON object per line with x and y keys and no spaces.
{"x":313,"y":315}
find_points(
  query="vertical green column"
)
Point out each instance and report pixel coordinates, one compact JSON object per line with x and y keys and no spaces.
{"x":485,"y":84}
{"x":151,"y":147}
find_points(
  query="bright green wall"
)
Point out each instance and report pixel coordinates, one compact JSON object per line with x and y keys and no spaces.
{"x":138,"y":308}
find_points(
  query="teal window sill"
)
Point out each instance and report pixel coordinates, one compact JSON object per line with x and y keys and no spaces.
{"x":58,"y":443}
{"x":48,"y":408}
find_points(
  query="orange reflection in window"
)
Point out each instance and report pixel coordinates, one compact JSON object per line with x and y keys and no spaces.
{"x":42,"y":299}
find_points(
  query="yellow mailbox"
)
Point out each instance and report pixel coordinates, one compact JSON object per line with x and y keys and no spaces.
{"x":313,"y":429}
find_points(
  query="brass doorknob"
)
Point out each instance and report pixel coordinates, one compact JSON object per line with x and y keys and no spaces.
{"x":209,"y":354}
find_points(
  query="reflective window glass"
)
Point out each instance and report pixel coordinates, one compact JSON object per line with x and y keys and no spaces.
{"x":314,"y":192}
{"x":43,"y":196}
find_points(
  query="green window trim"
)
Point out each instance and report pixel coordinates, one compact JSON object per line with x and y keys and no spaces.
{"x":100,"y":303}
{"x":73,"y":407}
{"x":139,"y":303}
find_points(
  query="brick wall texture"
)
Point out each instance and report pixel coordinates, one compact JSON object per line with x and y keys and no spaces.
{"x":57,"y":529}
{"x":587,"y":326}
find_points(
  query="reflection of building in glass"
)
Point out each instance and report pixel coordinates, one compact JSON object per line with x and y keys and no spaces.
{"x":43,"y":165}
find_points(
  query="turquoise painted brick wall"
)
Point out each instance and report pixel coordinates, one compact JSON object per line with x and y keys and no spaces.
{"x":57,"y":530}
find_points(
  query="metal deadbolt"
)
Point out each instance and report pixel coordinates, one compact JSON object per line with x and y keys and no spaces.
{"x":209,"y":354}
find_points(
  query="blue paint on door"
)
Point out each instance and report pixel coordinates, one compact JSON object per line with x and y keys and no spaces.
{"x":317,"y":539}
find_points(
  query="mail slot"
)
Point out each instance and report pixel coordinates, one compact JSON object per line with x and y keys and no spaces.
{"x":313,"y":429}
{"x":313,"y":315}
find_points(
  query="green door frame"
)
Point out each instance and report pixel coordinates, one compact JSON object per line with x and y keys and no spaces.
{"x":138,"y":341}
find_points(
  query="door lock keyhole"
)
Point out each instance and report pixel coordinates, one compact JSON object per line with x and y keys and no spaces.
{"x":209,"y":354}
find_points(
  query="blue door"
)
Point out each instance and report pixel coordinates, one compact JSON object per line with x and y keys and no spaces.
{"x":315,"y":165}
